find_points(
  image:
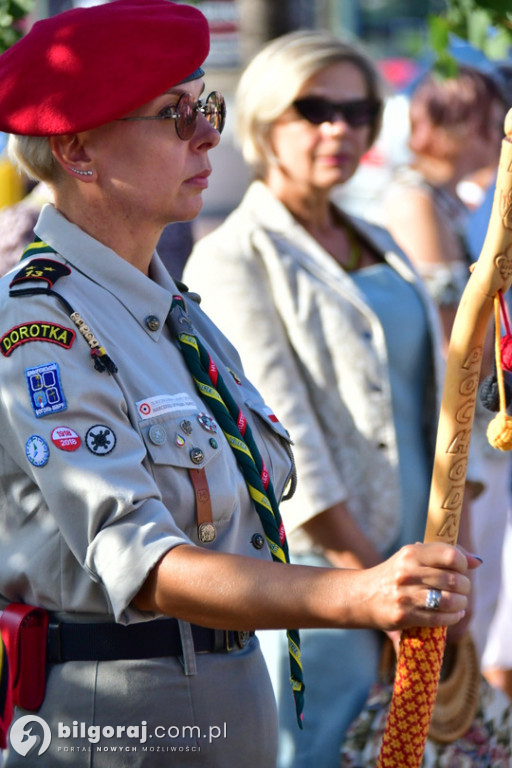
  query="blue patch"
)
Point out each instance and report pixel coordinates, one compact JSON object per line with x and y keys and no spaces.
{"x":37,"y":451}
{"x":45,"y":389}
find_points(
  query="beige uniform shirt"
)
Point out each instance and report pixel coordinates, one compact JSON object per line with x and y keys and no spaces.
{"x":94,"y":468}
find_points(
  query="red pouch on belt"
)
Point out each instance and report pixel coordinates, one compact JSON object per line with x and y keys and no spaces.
{"x":24,"y":630}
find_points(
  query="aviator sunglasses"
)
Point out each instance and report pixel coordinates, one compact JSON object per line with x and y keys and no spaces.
{"x":355,"y":113}
{"x":186,"y":111}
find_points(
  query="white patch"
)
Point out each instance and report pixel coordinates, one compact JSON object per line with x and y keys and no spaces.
{"x":160,"y":404}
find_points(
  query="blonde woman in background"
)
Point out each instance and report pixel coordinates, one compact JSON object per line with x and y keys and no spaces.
{"x":335,"y":327}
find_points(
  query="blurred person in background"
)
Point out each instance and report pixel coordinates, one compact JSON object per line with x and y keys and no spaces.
{"x":337,"y":330}
{"x":456,"y":128}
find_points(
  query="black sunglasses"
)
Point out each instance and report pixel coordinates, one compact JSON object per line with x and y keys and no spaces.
{"x":357,"y":113}
{"x":186,"y":111}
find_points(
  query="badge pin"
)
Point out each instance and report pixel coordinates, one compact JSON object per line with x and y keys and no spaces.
{"x":213,"y":442}
{"x":157,"y":434}
{"x":196,"y":455}
{"x":186,"y":426}
{"x":207,"y":422}
{"x":236,"y":377}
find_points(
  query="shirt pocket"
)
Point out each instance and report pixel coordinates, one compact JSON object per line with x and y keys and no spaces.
{"x":179,"y":442}
{"x":277,"y":447}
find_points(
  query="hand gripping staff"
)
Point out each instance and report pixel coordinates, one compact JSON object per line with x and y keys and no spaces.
{"x":421,"y":649}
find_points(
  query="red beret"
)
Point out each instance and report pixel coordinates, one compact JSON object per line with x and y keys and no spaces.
{"x":87,"y":66}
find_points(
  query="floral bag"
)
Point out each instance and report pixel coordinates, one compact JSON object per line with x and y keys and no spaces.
{"x":471,"y":724}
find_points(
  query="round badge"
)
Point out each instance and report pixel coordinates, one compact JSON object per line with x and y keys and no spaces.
{"x":196,"y":455}
{"x":100,"y":439}
{"x":37,"y":451}
{"x":66,"y":439}
{"x":207,"y":422}
{"x":157,"y":434}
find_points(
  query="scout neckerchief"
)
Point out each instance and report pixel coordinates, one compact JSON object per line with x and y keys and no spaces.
{"x":238,"y":433}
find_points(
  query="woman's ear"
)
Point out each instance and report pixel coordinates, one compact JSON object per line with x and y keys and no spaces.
{"x":69,"y":151}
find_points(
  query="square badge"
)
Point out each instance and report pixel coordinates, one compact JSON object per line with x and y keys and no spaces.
{"x":45,"y":389}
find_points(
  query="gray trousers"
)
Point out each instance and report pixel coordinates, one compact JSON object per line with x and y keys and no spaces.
{"x":126,"y":714}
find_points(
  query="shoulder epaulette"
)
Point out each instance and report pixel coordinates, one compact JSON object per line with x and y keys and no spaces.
{"x":49,"y":271}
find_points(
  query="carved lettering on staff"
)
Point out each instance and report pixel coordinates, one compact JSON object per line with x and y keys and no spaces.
{"x":458,"y":445}
{"x":449,"y":529}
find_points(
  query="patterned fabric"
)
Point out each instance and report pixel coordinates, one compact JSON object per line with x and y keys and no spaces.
{"x":486,"y":743}
{"x":239,"y":435}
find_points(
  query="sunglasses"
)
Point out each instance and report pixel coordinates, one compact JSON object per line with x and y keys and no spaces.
{"x":357,"y":113}
{"x":186,"y":111}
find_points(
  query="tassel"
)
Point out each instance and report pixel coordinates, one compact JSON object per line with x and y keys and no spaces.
{"x":499,"y":430}
{"x":506,"y":341}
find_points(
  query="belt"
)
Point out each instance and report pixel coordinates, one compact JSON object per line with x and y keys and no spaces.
{"x":152,"y":639}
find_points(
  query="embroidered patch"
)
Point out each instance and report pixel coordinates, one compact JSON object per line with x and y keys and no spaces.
{"x":46,"y":270}
{"x":100,"y":439}
{"x":66,"y":439}
{"x":36,"y":331}
{"x":160,"y":404}
{"x":45,"y":389}
{"x":37,"y":451}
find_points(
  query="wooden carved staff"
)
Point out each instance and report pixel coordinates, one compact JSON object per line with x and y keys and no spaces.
{"x":421,"y":649}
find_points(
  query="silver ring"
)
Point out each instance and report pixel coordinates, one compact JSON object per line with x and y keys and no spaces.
{"x":433,"y":600}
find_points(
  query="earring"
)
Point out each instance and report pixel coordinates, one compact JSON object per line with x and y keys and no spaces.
{"x":81,"y":173}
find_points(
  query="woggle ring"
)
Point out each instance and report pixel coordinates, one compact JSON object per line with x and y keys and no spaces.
{"x":433,"y":600}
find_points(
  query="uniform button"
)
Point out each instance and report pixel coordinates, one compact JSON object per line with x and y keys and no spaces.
{"x":152,"y":322}
{"x":381,"y":446}
{"x":257,"y":541}
{"x":196,"y":455}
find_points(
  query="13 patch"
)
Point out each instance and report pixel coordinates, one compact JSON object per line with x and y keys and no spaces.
{"x":45,"y":389}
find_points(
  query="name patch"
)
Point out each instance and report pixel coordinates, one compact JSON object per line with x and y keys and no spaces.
{"x":36,"y":331}
{"x":45,"y":389}
{"x":160,"y":404}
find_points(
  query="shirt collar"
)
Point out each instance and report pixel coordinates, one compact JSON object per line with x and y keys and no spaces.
{"x":142,"y":296}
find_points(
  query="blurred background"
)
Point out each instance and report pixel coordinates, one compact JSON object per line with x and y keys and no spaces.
{"x":404,"y":37}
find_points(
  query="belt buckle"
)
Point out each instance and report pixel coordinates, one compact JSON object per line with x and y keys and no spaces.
{"x":241,"y":639}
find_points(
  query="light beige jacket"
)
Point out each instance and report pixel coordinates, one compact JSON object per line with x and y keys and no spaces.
{"x":314,"y":348}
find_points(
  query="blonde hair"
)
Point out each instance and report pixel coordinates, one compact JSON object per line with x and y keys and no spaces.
{"x":274,"y":77}
{"x":33,"y":155}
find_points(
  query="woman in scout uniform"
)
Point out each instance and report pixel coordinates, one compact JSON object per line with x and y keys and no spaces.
{"x":140,"y":471}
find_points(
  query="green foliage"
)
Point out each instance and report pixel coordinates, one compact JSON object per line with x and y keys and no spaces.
{"x":11,"y":12}
{"x":485,"y":24}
